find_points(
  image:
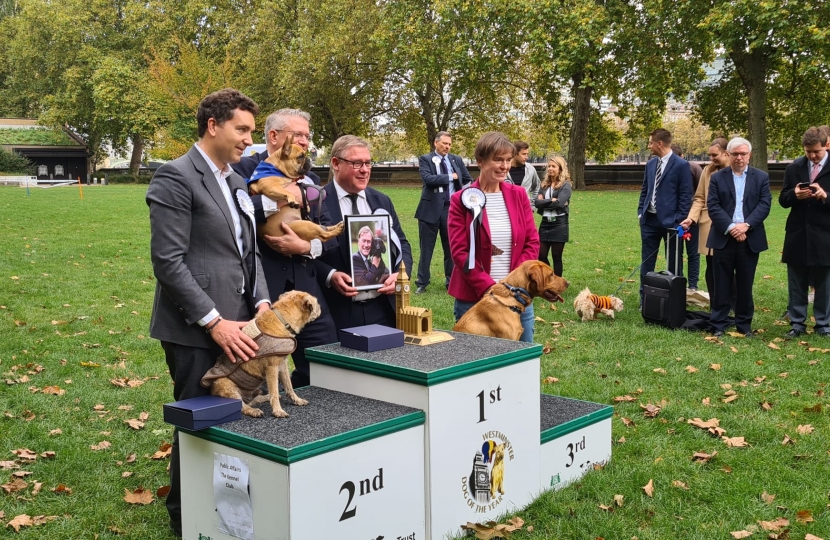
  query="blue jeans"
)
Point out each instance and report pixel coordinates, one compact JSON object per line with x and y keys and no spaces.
{"x":527,"y":318}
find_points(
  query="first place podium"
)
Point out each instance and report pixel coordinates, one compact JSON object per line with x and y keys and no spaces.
{"x":481,"y":398}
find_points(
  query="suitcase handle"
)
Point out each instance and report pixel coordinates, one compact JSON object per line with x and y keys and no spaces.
{"x":676,"y":251}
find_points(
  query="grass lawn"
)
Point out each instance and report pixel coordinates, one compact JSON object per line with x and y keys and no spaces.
{"x":76,"y":364}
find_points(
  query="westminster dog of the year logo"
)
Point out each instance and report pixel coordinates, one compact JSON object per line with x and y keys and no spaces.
{"x":484,"y":488}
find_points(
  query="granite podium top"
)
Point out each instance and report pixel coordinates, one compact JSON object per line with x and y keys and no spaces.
{"x":466,"y":355}
{"x":331,"y":420}
{"x":560,"y":416}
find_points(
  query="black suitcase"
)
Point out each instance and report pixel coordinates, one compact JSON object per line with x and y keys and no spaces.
{"x":664,"y":294}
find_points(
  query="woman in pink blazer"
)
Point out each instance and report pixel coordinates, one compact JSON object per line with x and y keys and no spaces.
{"x":505,"y":237}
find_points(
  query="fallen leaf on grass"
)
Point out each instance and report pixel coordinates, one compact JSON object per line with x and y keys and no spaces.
{"x":767,"y":498}
{"x":815,"y":408}
{"x":773,"y":346}
{"x":735,"y":334}
{"x":700,"y":423}
{"x":62,"y":489}
{"x":730,"y":399}
{"x":741,"y":534}
{"x":42,"y":520}
{"x":619,"y":500}
{"x":804,"y":516}
{"x":787,"y":440}
{"x":660,"y":370}
{"x":25,"y":453}
{"x":163,"y":451}
{"x":702,"y":456}
{"x":775,"y":525}
{"x":22,"y":474}
{"x":20,"y":521}
{"x":134,"y":423}
{"x":649,"y":488}
{"x":162,"y":492}
{"x":714,"y":367}
{"x":49,"y":454}
{"x":735,"y":442}
{"x":767,"y":406}
{"x":126,"y":474}
{"x":8,"y":465}
{"x":679,"y":484}
{"x":805,"y":429}
{"x":550,"y":380}
{"x":55,"y":432}
{"x":705,"y":401}
{"x":650,"y":410}
{"x":492,"y":529}
{"x":14,"y":486}
{"x":130,"y":458}
{"x":101,"y":445}
{"x":36,"y":487}
{"x":139,"y":496}
{"x":625,"y":398}
{"x":126,"y":382}
{"x":627,"y":422}
{"x":809,"y":536}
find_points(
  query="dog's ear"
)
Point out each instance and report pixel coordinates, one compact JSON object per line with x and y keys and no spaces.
{"x":286,"y":146}
{"x":536,"y":276}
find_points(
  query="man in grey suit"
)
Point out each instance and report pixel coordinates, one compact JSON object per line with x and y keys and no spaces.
{"x":443,"y":174}
{"x":209,"y":281}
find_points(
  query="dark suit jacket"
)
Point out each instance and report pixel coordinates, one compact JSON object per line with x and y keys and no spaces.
{"x":807,"y":237}
{"x":340,"y":258}
{"x":674,"y":194}
{"x":436,"y":184}
{"x":756,"y":206}
{"x":367,"y":276}
{"x":194,"y":252}
{"x":246,"y":166}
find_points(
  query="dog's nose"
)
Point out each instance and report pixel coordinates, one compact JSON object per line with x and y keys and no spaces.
{"x":566,"y":283}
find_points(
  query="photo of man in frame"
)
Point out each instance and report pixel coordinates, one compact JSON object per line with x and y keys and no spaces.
{"x":371,"y":256}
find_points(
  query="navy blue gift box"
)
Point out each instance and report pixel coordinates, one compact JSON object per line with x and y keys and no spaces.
{"x":372,"y":337}
{"x":202,"y":412}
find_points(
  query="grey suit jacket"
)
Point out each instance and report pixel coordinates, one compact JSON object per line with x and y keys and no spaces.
{"x":195,"y":257}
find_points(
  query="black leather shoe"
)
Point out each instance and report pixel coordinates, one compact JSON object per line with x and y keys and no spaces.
{"x":717,"y":333}
{"x":794,"y":333}
{"x":420,"y":290}
{"x":749,"y":335}
{"x":823,"y":332}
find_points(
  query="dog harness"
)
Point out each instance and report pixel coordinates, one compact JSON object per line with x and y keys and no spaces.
{"x":601,"y":302}
{"x":519,"y":294}
{"x":269,"y":345}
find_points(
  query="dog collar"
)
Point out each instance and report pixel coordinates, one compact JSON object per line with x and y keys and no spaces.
{"x":285,"y":323}
{"x":518,"y":293}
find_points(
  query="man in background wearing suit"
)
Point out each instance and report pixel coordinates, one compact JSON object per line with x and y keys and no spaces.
{"x":807,"y":237}
{"x":443,"y":174}
{"x":739,"y":201}
{"x":349,"y":194}
{"x":665,"y":200}
{"x":209,"y":280}
{"x":288,"y":261}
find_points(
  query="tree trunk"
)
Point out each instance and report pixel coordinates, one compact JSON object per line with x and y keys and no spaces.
{"x":138,"y":151}
{"x":752,"y":68}
{"x":579,"y":130}
{"x":427,"y":114}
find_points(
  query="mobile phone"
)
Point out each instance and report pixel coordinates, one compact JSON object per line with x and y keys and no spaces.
{"x":804,"y":185}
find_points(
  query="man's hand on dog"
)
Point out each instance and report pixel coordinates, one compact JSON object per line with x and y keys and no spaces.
{"x":236,"y":344}
{"x":289,"y":243}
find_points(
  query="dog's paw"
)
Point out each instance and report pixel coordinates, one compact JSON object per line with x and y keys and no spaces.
{"x":252,"y":412}
{"x":279,"y":413}
{"x":297,"y":400}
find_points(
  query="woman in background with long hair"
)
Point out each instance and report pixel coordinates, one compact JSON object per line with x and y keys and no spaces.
{"x":552,"y":204}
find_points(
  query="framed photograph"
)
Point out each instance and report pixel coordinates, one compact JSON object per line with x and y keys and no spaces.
{"x":370,"y":249}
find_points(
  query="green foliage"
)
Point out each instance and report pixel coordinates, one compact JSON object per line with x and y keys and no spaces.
{"x":14,"y":163}
{"x":35,"y":136}
{"x":129,"y":178}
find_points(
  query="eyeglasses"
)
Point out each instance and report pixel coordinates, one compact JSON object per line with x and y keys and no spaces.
{"x":296,"y":135}
{"x":357,"y":165}
{"x":739,"y":154}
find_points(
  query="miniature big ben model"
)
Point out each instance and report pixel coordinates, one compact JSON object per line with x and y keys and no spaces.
{"x":416,"y":322}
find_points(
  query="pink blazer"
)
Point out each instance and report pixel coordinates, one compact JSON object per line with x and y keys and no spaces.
{"x":470,"y":286}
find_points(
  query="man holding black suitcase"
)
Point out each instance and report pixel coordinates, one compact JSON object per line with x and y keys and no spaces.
{"x":739,"y":201}
{"x":665,"y":200}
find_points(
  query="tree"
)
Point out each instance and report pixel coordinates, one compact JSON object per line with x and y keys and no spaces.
{"x":636,"y":54}
{"x":776,"y":69}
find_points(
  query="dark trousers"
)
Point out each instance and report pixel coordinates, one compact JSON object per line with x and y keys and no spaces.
{"x":799,"y":279}
{"x":428,"y":233}
{"x":735,"y":267}
{"x":652,"y":234}
{"x":555,"y":249}
{"x":318,"y":332}
{"x":693,"y":256}
{"x":187,"y":366}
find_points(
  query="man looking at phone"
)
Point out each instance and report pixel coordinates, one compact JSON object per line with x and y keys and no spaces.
{"x":807,"y":237}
